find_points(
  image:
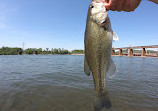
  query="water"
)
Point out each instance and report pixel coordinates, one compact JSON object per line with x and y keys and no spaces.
{"x":58,"y":83}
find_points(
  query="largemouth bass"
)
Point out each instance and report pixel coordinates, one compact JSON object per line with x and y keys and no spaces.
{"x":98,"y":46}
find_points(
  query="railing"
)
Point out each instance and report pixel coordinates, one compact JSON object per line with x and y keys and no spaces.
{"x":131,"y":51}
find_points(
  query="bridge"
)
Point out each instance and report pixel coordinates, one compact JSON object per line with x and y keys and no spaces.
{"x":131,"y":51}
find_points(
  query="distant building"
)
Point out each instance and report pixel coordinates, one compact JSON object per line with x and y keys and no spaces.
{"x":35,"y":52}
{"x":20,"y":52}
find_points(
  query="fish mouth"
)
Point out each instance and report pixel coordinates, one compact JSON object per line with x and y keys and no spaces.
{"x":107,"y":20}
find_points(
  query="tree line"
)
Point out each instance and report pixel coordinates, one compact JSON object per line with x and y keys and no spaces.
{"x":20,"y":51}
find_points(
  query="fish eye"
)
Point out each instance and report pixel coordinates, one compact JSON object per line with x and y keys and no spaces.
{"x":91,"y":6}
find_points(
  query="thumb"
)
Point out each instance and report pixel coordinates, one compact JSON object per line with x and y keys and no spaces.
{"x":107,"y":6}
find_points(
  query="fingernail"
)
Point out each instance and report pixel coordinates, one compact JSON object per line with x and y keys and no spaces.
{"x":106,"y":4}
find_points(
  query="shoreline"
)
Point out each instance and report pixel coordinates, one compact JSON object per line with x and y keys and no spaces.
{"x":77,"y":54}
{"x":49,"y":54}
{"x":137,"y":56}
{"x":84,"y":54}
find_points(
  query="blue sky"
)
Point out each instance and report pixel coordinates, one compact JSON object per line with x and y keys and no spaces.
{"x":61,"y":24}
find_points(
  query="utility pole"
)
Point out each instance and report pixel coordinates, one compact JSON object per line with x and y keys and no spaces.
{"x":23,"y":45}
{"x":129,"y":46}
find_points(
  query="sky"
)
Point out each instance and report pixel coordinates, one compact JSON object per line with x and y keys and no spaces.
{"x":61,"y":24}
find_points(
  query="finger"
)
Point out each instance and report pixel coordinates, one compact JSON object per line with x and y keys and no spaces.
{"x":134,"y":4}
{"x":113,"y":5}
{"x":126,"y":5}
{"x":104,"y":1}
{"x":106,"y":4}
{"x":120,"y":5}
{"x":107,"y":1}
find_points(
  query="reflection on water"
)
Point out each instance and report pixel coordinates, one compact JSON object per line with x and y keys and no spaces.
{"x":58,"y":83}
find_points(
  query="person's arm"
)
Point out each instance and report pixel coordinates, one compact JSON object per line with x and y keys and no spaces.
{"x":155,"y":1}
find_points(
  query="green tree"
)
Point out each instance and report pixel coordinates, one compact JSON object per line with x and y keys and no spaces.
{"x":30,"y":51}
{"x":39,"y":51}
{"x":10,"y":51}
{"x":56,"y":51}
{"x":47,"y":49}
{"x":78,"y":51}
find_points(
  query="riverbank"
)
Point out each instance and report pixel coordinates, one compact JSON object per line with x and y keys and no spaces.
{"x":77,"y":54}
{"x":137,"y":56}
{"x":84,"y":54}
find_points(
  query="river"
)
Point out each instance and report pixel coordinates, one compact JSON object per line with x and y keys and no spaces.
{"x":58,"y":83}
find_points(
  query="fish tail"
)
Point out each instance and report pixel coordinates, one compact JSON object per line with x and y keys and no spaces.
{"x":102,"y":101}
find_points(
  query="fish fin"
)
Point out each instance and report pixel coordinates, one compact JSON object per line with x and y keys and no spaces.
{"x":102,"y":101}
{"x":86,"y":67}
{"x":111,"y":71}
{"x":115,"y":37}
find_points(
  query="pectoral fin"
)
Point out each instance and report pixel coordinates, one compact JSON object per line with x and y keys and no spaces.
{"x":86,"y":67}
{"x":111,"y":71}
{"x":115,"y":37}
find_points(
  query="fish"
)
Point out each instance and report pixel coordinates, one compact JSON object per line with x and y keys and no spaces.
{"x":98,"y":48}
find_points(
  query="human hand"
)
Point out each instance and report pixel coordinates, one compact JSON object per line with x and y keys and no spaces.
{"x":122,"y":5}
